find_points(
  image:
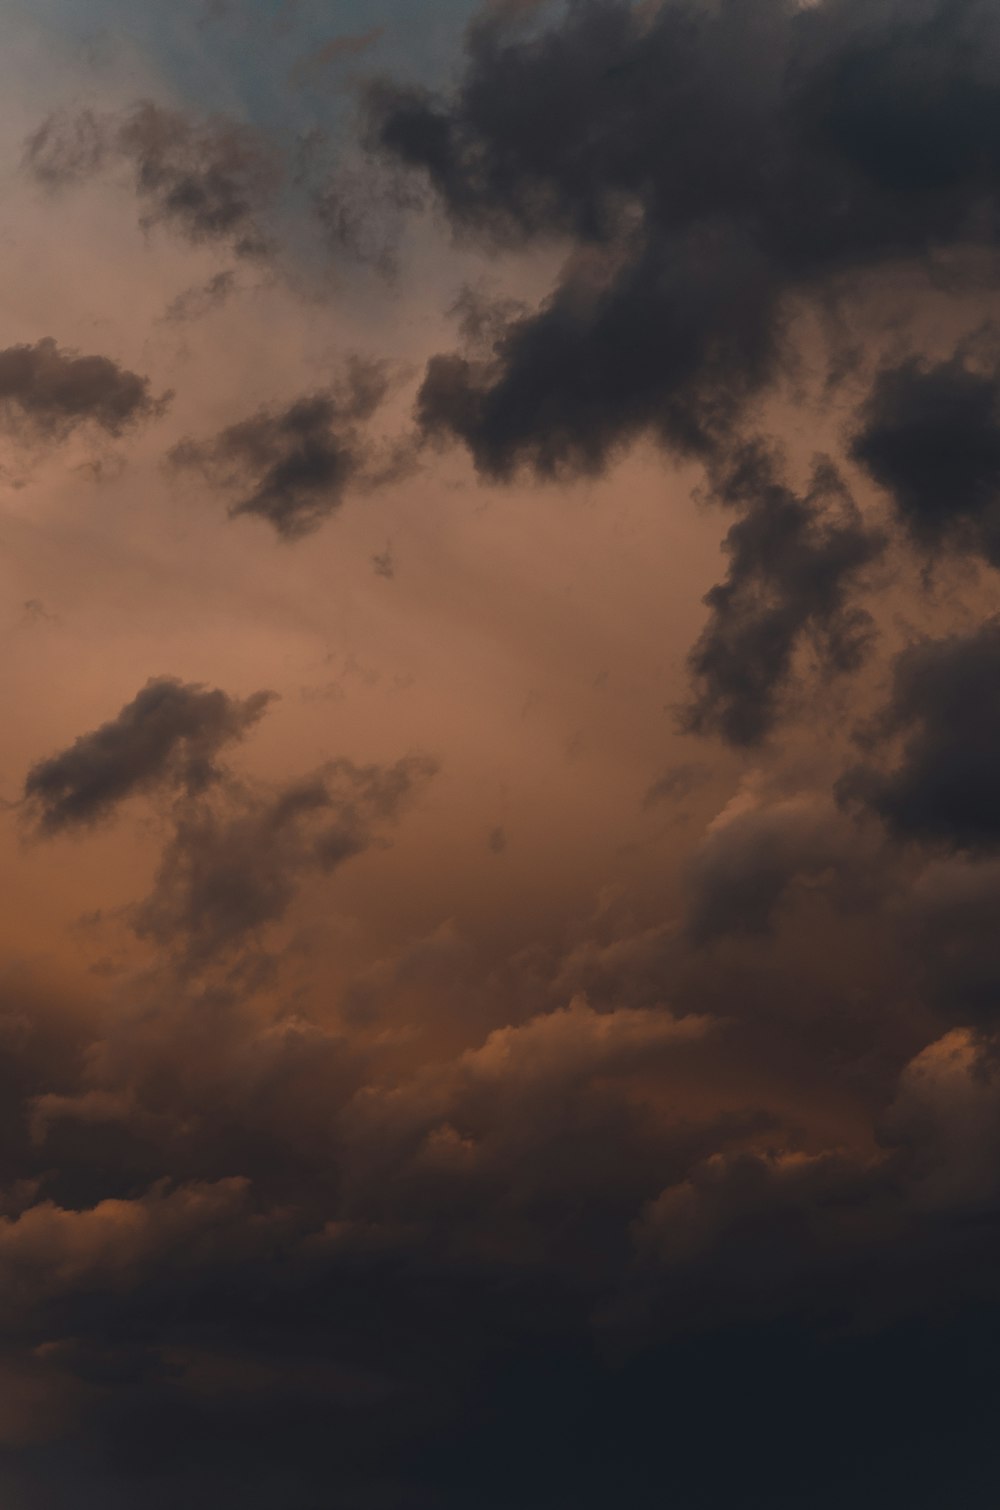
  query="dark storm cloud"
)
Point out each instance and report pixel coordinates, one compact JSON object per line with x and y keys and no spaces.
{"x":930,"y":435}
{"x":712,"y":164}
{"x":211,"y":180}
{"x":755,"y":854}
{"x":794,"y":565}
{"x":53,"y":390}
{"x":234,"y":864}
{"x":293,"y":466}
{"x":945,"y":708}
{"x":949,"y":927}
{"x":169,"y":735}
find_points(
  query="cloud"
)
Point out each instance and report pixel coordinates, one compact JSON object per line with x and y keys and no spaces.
{"x":236,"y":861}
{"x":293,"y":467}
{"x":709,"y":167}
{"x":795,"y":564}
{"x":209,"y":180}
{"x":53,"y":390}
{"x":168,"y":736}
{"x":46,"y":1250}
{"x":945,"y":707}
{"x":930,"y":435}
{"x":755,"y":853}
{"x":194,"y":303}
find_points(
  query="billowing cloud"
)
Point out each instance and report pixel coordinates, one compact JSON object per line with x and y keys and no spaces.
{"x":712,"y":166}
{"x":368,"y":1118}
{"x":793,"y":564}
{"x":930,"y":435}
{"x":945,"y":708}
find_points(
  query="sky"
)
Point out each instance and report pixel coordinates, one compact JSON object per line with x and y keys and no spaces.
{"x":499,"y":798}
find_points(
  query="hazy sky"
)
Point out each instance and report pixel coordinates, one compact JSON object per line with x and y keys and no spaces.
{"x":501,"y":833}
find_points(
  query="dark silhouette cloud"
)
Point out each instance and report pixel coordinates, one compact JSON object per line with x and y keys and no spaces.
{"x":930,"y":435}
{"x":945,"y":708}
{"x":710,"y":164}
{"x":794,"y":567}
{"x":293,"y":467}
{"x":52,"y":390}
{"x":211,"y":180}
{"x":168,"y":736}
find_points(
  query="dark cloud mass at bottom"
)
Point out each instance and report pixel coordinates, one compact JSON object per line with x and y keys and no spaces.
{"x":362,"y":1151}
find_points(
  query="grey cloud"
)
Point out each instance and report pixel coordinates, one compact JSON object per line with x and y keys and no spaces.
{"x":753,"y":856}
{"x":236,"y":860}
{"x":930,"y":435}
{"x":945,"y":707}
{"x":715,"y":163}
{"x":293,"y":467}
{"x":795,"y":564}
{"x":168,"y":736}
{"x":53,"y":390}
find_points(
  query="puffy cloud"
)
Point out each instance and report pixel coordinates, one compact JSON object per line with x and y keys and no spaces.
{"x":930,"y":435}
{"x":947,"y":1114}
{"x":945,"y":705}
{"x":51,"y":391}
{"x":755,"y":852}
{"x":293,"y":467}
{"x":47,"y":1251}
{"x":795,"y":564}
{"x":717,"y":164}
{"x":168,"y":736}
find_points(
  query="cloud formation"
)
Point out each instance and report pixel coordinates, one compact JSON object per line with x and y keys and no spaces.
{"x":52,"y":390}
{"x":293,"y":466}
{"x":945,"y":708}
{"x":232,"y":867}
{"x":169,"y":736}
{"x":211,"y":180}
{"x":793,"y":564}
{"x":930,"y":435}
{"x":711,"y":166}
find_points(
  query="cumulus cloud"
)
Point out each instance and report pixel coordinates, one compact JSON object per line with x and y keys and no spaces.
{"x":714,"y":164}
{"x":169,"y":736}
{"x":52,"y":390}
{"x":755,"y":852}
{"x":293,"y":466}
{"x":945,"y":708}
{"x":930,"y":435}
{"x":794,"y":567}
